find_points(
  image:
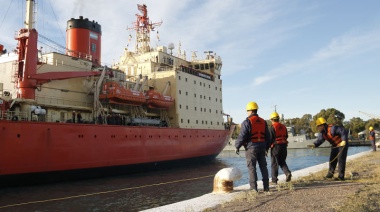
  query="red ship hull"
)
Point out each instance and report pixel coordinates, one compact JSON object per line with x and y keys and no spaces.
{"x":39,"y":147}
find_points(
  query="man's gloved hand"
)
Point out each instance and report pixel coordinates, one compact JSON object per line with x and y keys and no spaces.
{"x":237,"y":151}
{"x":343,"y":143}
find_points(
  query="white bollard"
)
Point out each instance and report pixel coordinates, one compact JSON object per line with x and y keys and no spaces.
{"x":224,"y":179}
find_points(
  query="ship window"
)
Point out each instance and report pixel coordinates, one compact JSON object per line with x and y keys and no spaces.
{"x":206,"y":122}
{"x":196,"y":121}
{"x":211,"y":123}
{"x":216,"y":99}
{"x":195,"y":108}
{"x":179,"y":77}
{"x":202,"y":66}
{"x":204,"y":109}
{"x":181,"y":120}
{"x":209,"y":98}
{"x":187,"y":107}
{"x":200,"y":83}
{"x":185,"y":79}
{"x":216,"y":111}
{"x":209,"y":110}
{"x":201,"y":96}
{"x":202,"y":122}
{"x":216,"y":88}
{"x":188,"y":121}
{"x":93,"y":47}
{"x":201,"y":109}
{"x":196,"y":66}
{"x":195,"y":95}
{"x":180,"y":106}
{"x":179,"y":91}
{"x":186,"y":93}
{"x":211,"y":65}
{"x":195,"y":82}
{"x":217,"y":123}
{"x":206,"y":66}
{"x":204,"y":97}
{"x":209,"y":86}
{"x":204,"y":84}
{"x":220,"y":101}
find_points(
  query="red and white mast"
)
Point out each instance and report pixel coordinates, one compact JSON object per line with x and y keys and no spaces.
{"x":143,"y":28}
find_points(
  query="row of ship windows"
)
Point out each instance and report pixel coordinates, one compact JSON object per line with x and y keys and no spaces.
{"x":202,"y":109}
{"x":197,"y":122}
{"x":204,"y":97}
{"x":200,"y":83}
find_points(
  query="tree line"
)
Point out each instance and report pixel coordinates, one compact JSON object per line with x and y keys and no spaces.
{"x":306,"y":124}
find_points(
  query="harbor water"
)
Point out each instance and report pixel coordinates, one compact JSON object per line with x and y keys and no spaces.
{"x":145,"y":190}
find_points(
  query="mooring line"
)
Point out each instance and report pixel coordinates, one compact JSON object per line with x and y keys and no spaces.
{"x":102,"y":192}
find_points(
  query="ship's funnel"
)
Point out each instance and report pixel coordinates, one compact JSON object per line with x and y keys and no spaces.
{"x":83,"y":39}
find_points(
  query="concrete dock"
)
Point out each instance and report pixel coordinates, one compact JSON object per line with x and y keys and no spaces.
{"x":212,"y":200}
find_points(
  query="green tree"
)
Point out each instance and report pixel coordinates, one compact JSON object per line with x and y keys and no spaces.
{"x":236,"y":131}
{"x":332,"y":116}
{"x":375,"y":123}
{"x":355,"y":125}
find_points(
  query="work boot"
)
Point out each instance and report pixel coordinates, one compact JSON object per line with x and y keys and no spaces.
{"x":266,"y":189}
{"x":288,"y":177}
{"x":273,"y":183}
{"x":329,"y":176}
{"x":339,"y":179}
{"x":253,"y":189}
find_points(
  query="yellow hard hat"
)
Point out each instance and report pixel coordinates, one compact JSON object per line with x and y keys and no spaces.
{"x":274,"y":115}
{"x":320,"y":121}
{"x":370,"y":128}
{"x":252,"y":106}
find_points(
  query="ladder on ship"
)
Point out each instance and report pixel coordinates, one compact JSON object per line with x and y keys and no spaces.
{"x":165,"y":117}
{"x":98,"y":107}
{"x":138,"y":112}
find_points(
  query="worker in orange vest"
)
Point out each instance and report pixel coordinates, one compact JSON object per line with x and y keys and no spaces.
{"x":279,"y":146}
{"x":372,"y":138}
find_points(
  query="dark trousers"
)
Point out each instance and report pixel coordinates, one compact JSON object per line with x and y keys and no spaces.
{"x":254,"y":155}
{"x":373,"y":143}
{"x":338,"y":156}
{"x":278,"y":158}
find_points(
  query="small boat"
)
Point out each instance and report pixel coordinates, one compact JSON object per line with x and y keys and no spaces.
{"x":116,"y":93}
{"x":157,"y":100}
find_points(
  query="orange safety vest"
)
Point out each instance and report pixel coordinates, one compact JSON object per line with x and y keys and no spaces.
{"x":370,"y":136}
{"x":257,"y":129}
{"x":280,"y":131}
{"x":333,"y":140}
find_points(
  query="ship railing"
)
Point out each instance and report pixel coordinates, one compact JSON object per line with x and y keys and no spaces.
{"x":13,"y":115}
{"x":49,"y":100}
{"x":24,"y":116}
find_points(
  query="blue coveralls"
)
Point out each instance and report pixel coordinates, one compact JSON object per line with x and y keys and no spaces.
{"x":255,"y":152}
{"x":337,"y":154}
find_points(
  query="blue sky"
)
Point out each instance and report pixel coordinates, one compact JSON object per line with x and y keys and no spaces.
{"x":300,"y":56}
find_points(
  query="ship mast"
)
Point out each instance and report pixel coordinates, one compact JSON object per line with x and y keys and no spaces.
{"x":27,"y":56}
{"x":143,"y":28}
{"x":29,"y":18}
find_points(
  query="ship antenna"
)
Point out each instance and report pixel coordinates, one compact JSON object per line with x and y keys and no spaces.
{"x":142,"y":26}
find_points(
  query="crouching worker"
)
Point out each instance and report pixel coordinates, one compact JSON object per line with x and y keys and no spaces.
{"x":254,"y":136}
{"x":337,"y":137}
